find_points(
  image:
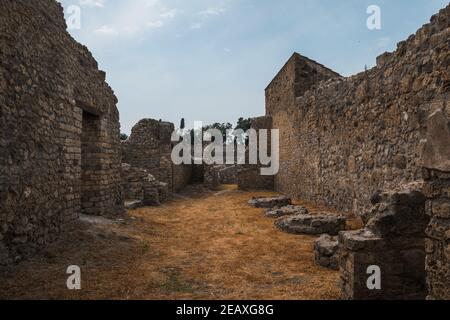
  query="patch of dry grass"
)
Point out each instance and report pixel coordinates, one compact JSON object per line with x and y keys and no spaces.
{"x":203,"y":245}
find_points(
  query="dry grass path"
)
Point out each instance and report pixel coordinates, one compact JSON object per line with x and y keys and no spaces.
{"x":199,"y":246}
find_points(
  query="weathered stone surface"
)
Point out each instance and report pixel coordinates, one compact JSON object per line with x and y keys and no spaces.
{"x":268,"y":203}
{"x":398,"y":214}
{"x":59,"y":129}
{"x":401,"y":264}
{"x":312,"y":224}
{"x":149,"y":147}
{"x":140,"y":188}
{"x":437,"y":190}
{"x":436,"y":152}
{"x":286,"y":211}
{"x":249,"y":176}
{"x":326,"y":252}
{"x":393,"y":239}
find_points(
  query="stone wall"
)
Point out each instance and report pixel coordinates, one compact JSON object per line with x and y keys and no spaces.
{"x":394,"y":241}
{"x":436,"y":158}
{"x":249,"y":175}
{"x":149,"y":147}
{"x":139,"y":185}
{"x":59,"y":129}
{"x":182,"y":176}
{"x":342,"y":139}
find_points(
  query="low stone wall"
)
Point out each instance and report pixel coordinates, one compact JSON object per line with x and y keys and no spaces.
{"x":393,"y":241}
{"x":249,"y":176}
{"x":228,"y":175}
{"x":211,"y":177}
{"x":139,"y":185}
{"x":181,"y":176}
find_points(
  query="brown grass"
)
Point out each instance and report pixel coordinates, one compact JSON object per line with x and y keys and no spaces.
{"x":202,"y":245}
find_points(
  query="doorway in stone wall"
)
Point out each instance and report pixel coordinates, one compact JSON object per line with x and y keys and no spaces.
{"x":90,"y":162}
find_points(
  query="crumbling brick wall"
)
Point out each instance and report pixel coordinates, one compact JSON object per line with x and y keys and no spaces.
{"x":342,"y":139}
{"x":59,"y":129}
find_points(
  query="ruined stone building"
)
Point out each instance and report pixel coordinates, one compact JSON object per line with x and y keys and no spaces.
{"x":149,"y":147}
{"x":59,"y":129}
{"x":342,"y":139}
{"x":376,"y":144}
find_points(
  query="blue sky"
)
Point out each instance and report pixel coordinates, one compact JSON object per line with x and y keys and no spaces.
{"x":210,"y":60}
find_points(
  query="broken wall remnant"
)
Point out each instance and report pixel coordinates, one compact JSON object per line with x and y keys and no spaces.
{"x":141,"y":188}
{"x":323,"y":223}
{"x":436,"y":161}
{"x":59,"y":130}
{"x":149,"y":147}
{"x":341,"y":139}
{"x":393,"y":240}
{"x":249,"y":176}
{"x":326,"y":252}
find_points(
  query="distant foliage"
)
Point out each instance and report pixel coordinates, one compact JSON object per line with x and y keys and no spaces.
{"x":123,"y":136}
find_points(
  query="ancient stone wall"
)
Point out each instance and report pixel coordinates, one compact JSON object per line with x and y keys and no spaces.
{"x":149,"y":148}
{"x":393,"y":240}
{"x":342,"y":139}
{"x":436,"y":172}
{"x":182,"y":176}
{"x":59,"y":129}
{"x":141,"y":188}
{"x":249,"y":176}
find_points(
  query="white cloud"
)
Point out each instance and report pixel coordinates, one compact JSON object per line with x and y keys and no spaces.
{"x":212,"y":12}
{"x":154,"y":24}
{"x":169,"y":14}
{"x":134,"y":18}
{"x":383,"y":42}
{"x":196,"y":26}
{"x":92,"y":3}
{"x":107,"y":30}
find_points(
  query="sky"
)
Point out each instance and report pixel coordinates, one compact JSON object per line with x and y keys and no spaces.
{"x":210,"y":60}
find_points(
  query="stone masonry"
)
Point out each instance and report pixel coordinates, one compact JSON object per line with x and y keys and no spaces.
{"x":436,"y":161}
{"x":141,"y":188}
{"x":149,"y":148}
{"x":342,"y":139}
{"x":249,"y":175}
{"x":59,"y":130}
{"x":393,"y":240}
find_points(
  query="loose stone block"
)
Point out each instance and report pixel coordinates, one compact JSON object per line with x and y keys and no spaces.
{"x":326,"y":252}
{"x":312,"y":224}
{"x":286,"y":211}
{"x":261,"y":202}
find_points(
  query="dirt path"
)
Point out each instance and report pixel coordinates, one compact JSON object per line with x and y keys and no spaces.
{"x":199,"y":246}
